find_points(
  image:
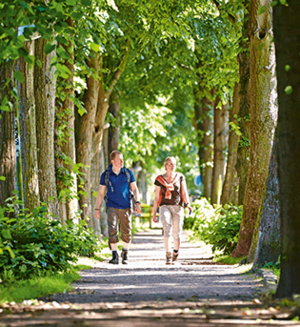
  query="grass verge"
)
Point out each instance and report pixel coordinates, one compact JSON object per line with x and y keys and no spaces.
{"x":228,"y":259}
{"x":18,"y":291}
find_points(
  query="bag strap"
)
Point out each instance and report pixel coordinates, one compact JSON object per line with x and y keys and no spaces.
{"x":107,"y":180}
{"x":128,"y":175}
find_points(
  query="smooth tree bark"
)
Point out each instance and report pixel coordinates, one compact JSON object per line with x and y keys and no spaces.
{"x":208,"y":143}
{"x":65,"y":146}
{"x":220,"y":143}
{"x":44,"y":92}
{"x":268,"y":241}
{"x":263,"y":120}
{"x":8,"y":163}
{"x":243,"y":153}
{"x":28,"y":140}
{"x":287,"y":43}
{"x":229,"y":192}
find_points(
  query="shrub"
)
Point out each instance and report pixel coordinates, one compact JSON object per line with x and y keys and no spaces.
{"x":34,"y":243}
{"x":218,"y":226}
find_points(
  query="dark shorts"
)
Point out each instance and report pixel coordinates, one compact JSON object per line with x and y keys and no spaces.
{"x":124,"y":216}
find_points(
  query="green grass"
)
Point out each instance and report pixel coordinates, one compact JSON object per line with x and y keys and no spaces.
{"x":228,"y":259}
{"x":17,"y":291}
{"x":276,"y":271}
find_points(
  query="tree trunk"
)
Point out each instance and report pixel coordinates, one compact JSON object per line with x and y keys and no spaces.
{"x":8,"y":168}
{"x":65,"y":145}
{"x":103,"y":217}
{"x":84,"y":138}
{"x":142,"y":185}
{"x":263,"y":111}
{"x":102,"y":107}
{"x":28,"y":134}
{"x":220,"y":143}
{"x":287,"y":42}
{"x":90,"y":127}
{"x":207,"y":108}
{"x":114,"y":129}
{"x":268,"y":249}
{"x":244,"y":108}
{"x":44,"y":91}
{"x":229,"y":192}
{"x":198,"y":109}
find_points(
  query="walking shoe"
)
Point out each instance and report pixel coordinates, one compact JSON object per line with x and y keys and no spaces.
{"x":175,"y":256}
{"x":115,"y":258}
{"x":168,"y":258}
{"x":124,"y":256}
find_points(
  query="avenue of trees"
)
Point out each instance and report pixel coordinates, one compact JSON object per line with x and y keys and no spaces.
{"x":214,"y":83}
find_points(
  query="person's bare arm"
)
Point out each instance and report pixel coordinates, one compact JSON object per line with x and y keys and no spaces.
{"x":136,"y":194}
{"x":100,"y":196}
{"x":186,"y":194}
{"x":155,"y":202}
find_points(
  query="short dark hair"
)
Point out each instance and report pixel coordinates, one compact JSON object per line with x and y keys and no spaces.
{"x":113,"y":154}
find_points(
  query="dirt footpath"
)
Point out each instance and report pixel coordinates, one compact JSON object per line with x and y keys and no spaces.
{"x":194,"y":292}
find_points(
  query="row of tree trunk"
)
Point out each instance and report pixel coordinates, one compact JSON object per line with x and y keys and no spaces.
{"x":267,"y":190}
{"x":240,"y":178}
{"x":47,"y":128}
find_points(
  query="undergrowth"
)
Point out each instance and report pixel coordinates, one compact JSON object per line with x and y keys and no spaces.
{"x":215,"y":225}
{"x":35,"y":287}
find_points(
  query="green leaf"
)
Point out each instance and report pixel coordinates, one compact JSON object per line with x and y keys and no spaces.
{"x":29,"y":59}
{"x":95,"y":194}
{"x":62,"y":53}
{"x":283,"y":2}
{"x":95,"y":47}
{"x":77,"y":15}
{"x":22,"y":52}
{"x":2,"y":178}
{"x":6,"y":234}
{"x":274,"y":3}
{"x":39,"y":63}
{"x":261,"y":10}
{"x":49,"y":48}
{"x":71,"y":2}
{"x":64,"y":71}
{"x":19,"y":76}
{"x":287,"y":68}
{"x":81,"y":110}
{"x":288,"y":90}
{"x":10,"y":252}
{"x":86,"y":2}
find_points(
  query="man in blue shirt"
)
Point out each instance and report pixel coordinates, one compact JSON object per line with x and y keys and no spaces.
{"x":119,"y":182}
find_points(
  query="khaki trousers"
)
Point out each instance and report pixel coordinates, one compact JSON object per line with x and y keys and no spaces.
{"x":124,"y":216}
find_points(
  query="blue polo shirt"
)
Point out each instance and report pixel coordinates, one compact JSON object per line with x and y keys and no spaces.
{"x":119,"y":197}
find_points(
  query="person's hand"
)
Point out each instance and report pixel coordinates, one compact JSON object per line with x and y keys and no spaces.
{"x":190,"y":208}
{"x":138,"y":209}
{"x":97,"y":214}
{"x":154,"y":218}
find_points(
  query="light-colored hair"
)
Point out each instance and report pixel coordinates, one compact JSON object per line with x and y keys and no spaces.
{"x":113,"y":154}
{"x":169,"y":159}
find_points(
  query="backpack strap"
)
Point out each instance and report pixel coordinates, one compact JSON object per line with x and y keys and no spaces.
{"x":107,"y":180}
{"x":128,"y":175}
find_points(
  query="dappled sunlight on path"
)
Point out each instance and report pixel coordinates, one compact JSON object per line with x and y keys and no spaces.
{"x":194,"y":292}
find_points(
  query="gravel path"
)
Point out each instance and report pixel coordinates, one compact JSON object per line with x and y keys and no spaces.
{"x":148,"y":278}
{"x":194,"y":292}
